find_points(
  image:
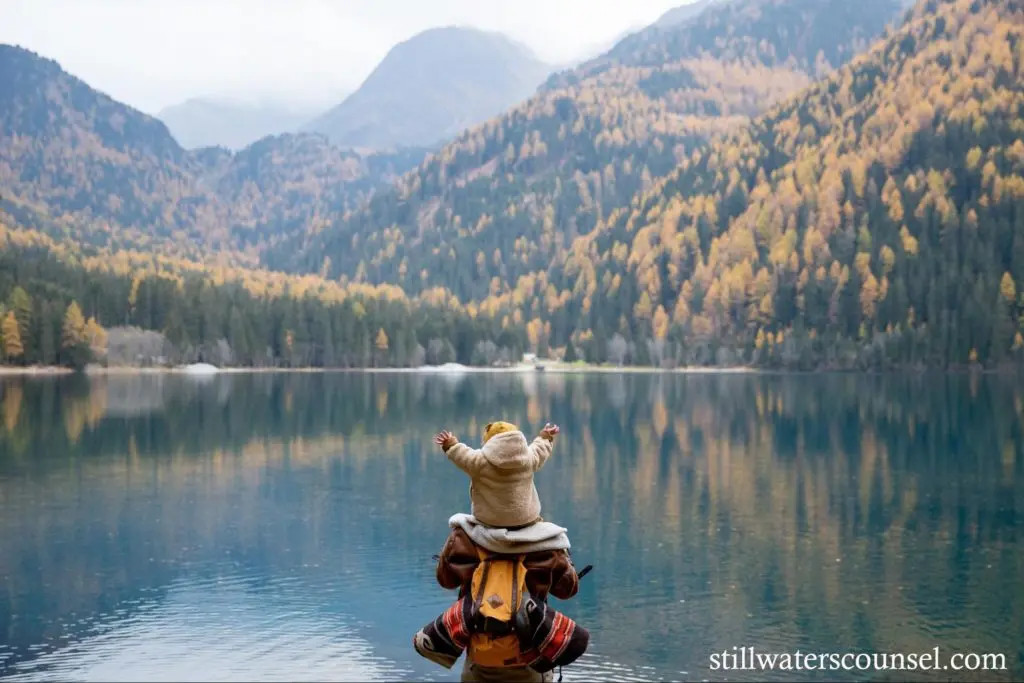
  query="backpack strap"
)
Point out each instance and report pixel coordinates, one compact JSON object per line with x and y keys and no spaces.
{"x":515,"y":587}
{"x":485,"y":561}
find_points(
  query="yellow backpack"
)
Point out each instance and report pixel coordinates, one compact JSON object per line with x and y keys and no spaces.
{"x":498,"y":590}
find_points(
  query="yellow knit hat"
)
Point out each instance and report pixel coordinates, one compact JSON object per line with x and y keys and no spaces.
{"x":494,"y":428}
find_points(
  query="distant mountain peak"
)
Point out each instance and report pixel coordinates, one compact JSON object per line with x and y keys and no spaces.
{"x":431,"y":86}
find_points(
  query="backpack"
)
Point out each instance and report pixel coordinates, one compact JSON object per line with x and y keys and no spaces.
{"x":509,"y":627}
{"x":497,"y":594}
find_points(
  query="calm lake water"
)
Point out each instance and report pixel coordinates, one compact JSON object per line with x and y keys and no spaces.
{"x":265,"y":527}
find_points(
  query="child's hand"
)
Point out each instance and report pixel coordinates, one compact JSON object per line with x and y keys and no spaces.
{"x":549,"y":432}
{"x":445,"y":440}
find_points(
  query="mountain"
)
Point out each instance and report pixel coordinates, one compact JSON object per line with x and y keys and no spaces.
{"x":595,"y":49}
{"x":743,"y":188}
{"x":431,"y":87}
{"x":671,"y":18}
{"x":683,"y":13}
{"x":875,"y":219}
{"x":203,"y":122}
{"x":506,"y":199}
{"x":75,"y":162}
{"x":872,"y":215}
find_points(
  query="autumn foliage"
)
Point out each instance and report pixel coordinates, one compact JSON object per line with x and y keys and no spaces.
{"x":778,"y":183}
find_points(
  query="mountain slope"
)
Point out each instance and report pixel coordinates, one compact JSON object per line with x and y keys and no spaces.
{"x":75,"y":162}
{"x":799,"y":33}
{"x":683,"y":13}
{"x":431,"y":87}
{"x":506,"y":199}
{"x":290,"y":185}
{"x":596,"y":49}
{"x":875,"y":219}
{"x":67,"y":150}
{"x":200,"y":122}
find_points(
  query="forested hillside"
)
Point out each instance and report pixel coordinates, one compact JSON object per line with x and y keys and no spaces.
{"x":876,"y":219}
{"x":76,"y":163}
{"x":649,"y":207}
{"x":60,"y":305}
{"x":506,"y":199}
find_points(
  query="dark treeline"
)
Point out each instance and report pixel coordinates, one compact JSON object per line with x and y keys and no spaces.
{"x":199,"y":321}
{"x":55,"y":312}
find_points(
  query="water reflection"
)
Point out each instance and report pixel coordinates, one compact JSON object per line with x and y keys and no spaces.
{"x":215,"y":630}
{"x":281,"y":526}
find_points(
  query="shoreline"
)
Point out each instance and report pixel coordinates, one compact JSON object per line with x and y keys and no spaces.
{"x":58,"y":371}
{"x":456,"y":370}
{"x":560,"y":370}
{"x":34,"y":371}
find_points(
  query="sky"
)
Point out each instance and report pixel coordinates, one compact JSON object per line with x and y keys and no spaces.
{"x":303,"y":53}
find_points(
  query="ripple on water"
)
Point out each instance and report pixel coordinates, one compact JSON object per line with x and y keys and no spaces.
{"x":216,"y":629}
{"x":596,"y":667}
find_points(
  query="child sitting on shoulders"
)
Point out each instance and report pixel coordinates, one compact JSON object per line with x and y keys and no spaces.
{"x":501,"y":488}
{"x":505,"y":521}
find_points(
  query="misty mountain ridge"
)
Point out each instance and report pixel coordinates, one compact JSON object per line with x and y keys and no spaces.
{"x":669,"y":20}
{"x":431,"y":87}
{"x":683,"y":13}
{"x":221,"y":122}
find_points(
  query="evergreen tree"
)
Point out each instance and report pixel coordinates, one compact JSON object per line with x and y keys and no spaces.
{"x":47,"y":337}
{"x":570,"y":353}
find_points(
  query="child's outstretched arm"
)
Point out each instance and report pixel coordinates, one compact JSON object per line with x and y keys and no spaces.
{"x":540,"y":449}
{"x":467,"y":459}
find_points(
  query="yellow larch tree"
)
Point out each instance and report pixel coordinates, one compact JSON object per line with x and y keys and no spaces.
{"x":11,"y":338}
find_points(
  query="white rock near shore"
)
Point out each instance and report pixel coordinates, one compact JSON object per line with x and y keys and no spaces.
{"x":201,"y":369}
{"x":446,"y":368}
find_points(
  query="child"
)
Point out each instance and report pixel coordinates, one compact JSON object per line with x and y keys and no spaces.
{"x":506,"y":521}
{"x":501,"y":487}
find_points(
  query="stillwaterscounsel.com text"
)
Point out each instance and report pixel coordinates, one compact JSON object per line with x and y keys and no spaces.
{"x":747,"y":659}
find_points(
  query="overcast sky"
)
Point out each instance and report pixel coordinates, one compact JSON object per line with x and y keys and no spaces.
{"x":154,"y":53}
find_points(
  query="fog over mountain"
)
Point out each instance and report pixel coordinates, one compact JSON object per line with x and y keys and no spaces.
{"x":209,"y":122}
{"x":294,"y":54}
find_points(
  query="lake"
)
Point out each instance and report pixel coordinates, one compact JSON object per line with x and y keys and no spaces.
{"x":281,"y":526}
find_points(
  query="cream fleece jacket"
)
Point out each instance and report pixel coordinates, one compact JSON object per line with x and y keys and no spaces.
{"x":501,"y":487}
